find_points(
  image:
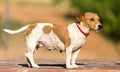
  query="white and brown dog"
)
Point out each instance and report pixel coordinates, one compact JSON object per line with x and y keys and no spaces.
{"x":67,"y":38}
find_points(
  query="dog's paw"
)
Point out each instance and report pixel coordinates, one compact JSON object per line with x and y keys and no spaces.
{"x":75,"y":66}
{"x":68,"y":66}
{"x":35,"y":66}
{"x":72,"y":66}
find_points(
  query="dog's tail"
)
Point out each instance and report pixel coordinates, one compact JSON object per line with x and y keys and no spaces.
{"x":16,"y":31}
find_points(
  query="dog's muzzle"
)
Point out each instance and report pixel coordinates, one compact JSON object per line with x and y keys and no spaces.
{"x":100,"y":27}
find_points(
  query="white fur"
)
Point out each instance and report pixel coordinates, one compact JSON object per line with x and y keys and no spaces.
{"x":51,"y":41}
{"x":16,"y":31}
{"x":77,"y":40}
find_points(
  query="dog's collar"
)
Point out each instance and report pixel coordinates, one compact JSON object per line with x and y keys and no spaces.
{"x":85,"y":34}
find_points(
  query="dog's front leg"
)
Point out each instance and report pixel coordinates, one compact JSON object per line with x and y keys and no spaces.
{"x":68,"y":57}
{"x":74,"y":57}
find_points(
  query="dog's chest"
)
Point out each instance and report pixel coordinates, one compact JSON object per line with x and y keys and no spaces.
{"x":77,"y":38}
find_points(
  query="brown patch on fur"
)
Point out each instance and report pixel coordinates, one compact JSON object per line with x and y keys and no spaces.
{"x":29,"y":29}
{"x":47,"y":29}
{"x":62,"y":32}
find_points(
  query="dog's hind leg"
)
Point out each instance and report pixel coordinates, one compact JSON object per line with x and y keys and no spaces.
{"x":29,"y":54}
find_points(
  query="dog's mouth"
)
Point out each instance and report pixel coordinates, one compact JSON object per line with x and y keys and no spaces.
{"x":99,"y":27}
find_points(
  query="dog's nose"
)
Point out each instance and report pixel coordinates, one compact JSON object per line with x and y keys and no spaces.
{"x":100,"y":27}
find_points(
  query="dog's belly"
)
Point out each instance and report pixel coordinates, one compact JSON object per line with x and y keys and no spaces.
{"x":51,"y":41}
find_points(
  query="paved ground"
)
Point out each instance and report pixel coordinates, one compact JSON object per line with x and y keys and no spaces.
{"x":59,"y":66}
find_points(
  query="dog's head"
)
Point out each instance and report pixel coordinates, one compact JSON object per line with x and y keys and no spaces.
{"x":90,"y":20}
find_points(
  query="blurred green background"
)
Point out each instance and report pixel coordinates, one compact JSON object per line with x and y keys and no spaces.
{"x":24,"y":12}
{"x":109,"y":11}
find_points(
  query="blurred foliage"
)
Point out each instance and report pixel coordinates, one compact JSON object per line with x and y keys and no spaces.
{"x":27,"y":2}
{"x":0,"y":32}
{"x":108,"y":10}
{"x":55,"y":2}
{"x":30,"y":2}
{"x":13,"y":25}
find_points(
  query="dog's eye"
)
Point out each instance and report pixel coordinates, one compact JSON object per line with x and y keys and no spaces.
{"x":92,"y":19}
{"x":98,"y":19}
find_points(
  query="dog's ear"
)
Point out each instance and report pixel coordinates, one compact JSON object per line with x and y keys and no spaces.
{"x":80,"y":18}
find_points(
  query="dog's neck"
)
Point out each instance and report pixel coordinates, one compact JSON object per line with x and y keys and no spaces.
{"x":82,"y":28}
{"x":85,"y":29}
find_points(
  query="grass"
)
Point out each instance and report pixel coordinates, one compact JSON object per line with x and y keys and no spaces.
{"x":13,"y":25}
{"x":1,"y":26}
{"x":27,"y":2}
{"x":2,"y":1}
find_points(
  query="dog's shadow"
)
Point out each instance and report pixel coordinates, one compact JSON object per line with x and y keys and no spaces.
{"x":50,"y":65}
{"x":46,"y":65}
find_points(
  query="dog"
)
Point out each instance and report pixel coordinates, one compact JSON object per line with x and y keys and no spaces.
{"x":69,"y":38}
